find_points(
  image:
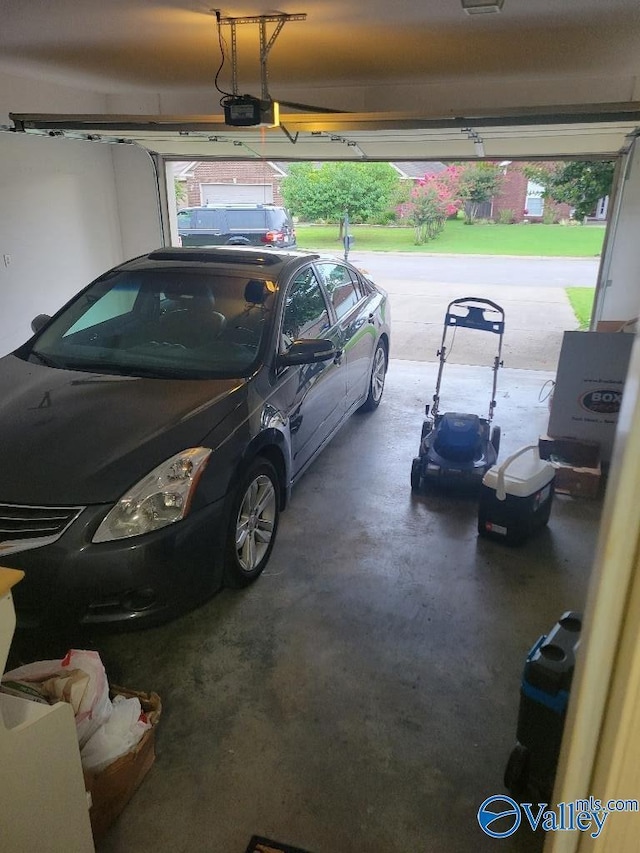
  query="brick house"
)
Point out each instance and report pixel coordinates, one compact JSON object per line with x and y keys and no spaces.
{"x":520,"y":199}
{"x":206,"y":182}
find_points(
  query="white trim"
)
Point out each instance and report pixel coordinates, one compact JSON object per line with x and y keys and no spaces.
{"x":600,"y":750}
{"x":186,"y":171}
{"x":277,"y":169}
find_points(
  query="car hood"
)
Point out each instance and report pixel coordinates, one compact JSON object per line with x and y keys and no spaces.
{"x":70,"y":438}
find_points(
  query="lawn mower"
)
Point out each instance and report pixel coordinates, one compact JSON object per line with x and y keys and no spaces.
{"x":460,"y":447}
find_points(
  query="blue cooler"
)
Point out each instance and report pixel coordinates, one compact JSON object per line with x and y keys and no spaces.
{"x":544,"y":696}
{"x":516,"y":497}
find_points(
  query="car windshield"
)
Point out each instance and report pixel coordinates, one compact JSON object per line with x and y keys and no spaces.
{"x":174,"y":322}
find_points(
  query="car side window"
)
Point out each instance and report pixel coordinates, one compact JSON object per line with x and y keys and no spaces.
{"x":305,"y":312}
{"x":340,"y":287}
{"x":360,"y":285}
{"x":184,"y":218}
{"x":208,"y":220}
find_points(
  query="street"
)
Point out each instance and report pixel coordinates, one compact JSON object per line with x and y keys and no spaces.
{"x":480,"y":269}
{"x":530,"y":290}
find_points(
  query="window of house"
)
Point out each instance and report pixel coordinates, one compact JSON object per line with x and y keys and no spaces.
{"x":535,"y":202}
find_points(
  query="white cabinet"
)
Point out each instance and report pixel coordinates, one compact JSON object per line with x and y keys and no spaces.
{"x":43,"y":803}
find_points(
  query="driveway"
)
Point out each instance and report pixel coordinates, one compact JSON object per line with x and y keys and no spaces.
{"x":531,"y":291}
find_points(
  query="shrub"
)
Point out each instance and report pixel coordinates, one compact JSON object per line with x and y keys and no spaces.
{"x":506,"y":217}
{"x":479,"y":182}
{"x":384,"y":217}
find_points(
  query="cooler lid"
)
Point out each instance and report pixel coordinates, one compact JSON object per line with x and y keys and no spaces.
{"x":524,"y":473}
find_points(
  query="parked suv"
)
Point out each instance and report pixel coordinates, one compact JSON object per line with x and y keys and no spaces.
{"x":236,"y":225}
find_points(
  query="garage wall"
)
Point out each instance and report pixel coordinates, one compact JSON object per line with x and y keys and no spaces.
{"x":58,"y":226}
{"x":24,"y":94}
{"x":68,"y":209}
{"x":137,"y":200}
{"x":619,"y":287}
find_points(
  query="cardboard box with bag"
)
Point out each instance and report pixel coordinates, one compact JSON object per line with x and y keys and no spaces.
{"x":577,"y":464}
{"x":112,"y":788}
{"x":115,"y":726}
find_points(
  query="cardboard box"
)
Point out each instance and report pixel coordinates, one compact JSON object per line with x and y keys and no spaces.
{"x":577,"y":463}
{"x":113,"y":787}
{"x":592,"y":369}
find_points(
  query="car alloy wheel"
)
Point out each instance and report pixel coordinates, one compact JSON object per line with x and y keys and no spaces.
{"x":253,"y":525}
{"x":376,"y":381}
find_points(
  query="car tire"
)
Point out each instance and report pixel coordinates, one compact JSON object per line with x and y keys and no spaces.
{"x":516,"y":774}
{"x":416,"y":475}
{"x":376,"y":379}
{"x":495,"y":439}
{"x":253,"y":524}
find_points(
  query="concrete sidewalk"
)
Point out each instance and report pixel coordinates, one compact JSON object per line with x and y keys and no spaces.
{"x":535,"y":321}
{"x":531,"y":291}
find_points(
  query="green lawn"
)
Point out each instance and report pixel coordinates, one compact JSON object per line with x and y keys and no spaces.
{"x":461,"y":239}
{"x":581,"y":299}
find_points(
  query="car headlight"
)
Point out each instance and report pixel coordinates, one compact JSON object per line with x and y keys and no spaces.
{"x":159,"y":499}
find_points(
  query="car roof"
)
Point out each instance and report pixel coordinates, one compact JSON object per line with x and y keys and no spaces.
{"x":271,"y":262}
{"x":247,"y":260}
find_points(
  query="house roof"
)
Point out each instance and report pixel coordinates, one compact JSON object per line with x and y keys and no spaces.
{"x":418,"y":168}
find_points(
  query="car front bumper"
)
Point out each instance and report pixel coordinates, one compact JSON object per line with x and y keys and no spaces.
{"x":138,"y":581}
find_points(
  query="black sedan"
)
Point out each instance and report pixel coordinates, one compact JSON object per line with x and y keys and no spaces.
{"x":150,"y":432}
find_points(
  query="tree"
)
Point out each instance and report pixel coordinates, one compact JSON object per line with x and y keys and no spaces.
{"x":433,"y":199}
{"x":364,"y":190}
{"x":579,"y":184}
{"x":180,"y":190}
{"x":479,"y":182}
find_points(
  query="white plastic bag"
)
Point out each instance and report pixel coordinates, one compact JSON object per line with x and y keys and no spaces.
{"x":92,"y":706}
{"x":117,"y":736}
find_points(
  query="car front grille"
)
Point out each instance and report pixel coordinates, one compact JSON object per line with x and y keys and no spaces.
{"x":23,"y":527}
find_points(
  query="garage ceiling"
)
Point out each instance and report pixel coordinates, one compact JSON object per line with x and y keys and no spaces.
{"x":416,"y":80}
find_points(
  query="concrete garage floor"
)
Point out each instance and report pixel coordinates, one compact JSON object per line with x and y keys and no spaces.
{"x":363,"y":694}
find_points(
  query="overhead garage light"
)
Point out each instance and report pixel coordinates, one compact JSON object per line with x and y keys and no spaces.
{"x":482,"y":7}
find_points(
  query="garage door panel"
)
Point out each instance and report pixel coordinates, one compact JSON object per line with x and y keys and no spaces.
{"x":236,"y":193}
{"x":581,"y":131}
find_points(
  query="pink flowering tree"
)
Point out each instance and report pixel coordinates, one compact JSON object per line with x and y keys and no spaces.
{"x":433,"y":199}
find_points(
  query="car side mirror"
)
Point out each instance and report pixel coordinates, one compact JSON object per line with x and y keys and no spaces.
{"x":38,"y":322}
{"x":308,"y":351}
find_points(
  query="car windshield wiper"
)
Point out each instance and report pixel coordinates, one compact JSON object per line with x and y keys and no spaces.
{"x":45,"y":359}
{"x":136,"y":370}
